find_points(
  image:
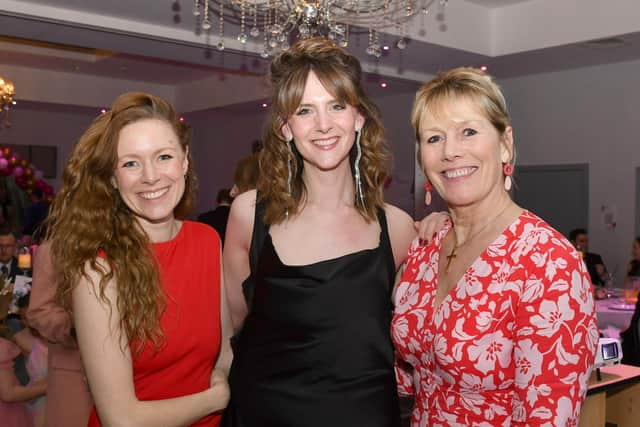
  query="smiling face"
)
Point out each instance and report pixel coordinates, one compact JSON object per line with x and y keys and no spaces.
{"x":462,"y":153}
{"x":150,"y":170}
{"x":322,"y":128}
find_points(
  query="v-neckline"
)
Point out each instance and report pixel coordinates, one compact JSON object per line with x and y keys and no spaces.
{"x":440,"y":240}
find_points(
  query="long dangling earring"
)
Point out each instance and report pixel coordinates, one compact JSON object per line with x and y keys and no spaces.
{"x":356,"y":168}
{"x":507,"y":169}
{"x":289,"y":166}
{"x":290,"y":174}
{"x":427,"y":195}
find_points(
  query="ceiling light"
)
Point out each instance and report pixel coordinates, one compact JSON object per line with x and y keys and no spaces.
{"x":7,"y":92}
{"x":276,"y":23}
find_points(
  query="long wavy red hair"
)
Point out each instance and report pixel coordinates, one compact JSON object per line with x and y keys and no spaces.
{"x":88,"y":216}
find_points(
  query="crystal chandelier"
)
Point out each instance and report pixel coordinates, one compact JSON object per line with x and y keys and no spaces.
{"x":274,"y":23}
{"x":7,"y":92}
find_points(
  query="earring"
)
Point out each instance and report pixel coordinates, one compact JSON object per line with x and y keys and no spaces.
{"x":427,"y":195}
{"x":507,"y":169}
{"x":289,"y":174}
{"x":356,"y":168}
{"x":289,"y":166}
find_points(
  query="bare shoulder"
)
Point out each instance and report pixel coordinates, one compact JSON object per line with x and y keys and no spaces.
{"x":243,"y":206}
{"x":398,"y":219}
{"x":401,"y":232}
{"x":89,"y":283}
{"x":241,"y":218}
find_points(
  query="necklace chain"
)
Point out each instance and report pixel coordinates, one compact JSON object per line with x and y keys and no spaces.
{"x":456,"y":246}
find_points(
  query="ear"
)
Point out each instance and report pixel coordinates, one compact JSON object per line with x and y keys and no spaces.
{"x":286,"y":132}
{"x":506,"y":145}
{"x":359,"y":122}
{"x":114,"y":182}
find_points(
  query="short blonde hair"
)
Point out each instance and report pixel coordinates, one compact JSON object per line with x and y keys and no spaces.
{"x":462,"y":83}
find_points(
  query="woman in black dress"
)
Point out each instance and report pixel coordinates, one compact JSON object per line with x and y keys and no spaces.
{"x":310,"y":257}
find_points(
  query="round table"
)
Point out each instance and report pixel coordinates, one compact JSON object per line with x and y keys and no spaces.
{"x":613,"y":314}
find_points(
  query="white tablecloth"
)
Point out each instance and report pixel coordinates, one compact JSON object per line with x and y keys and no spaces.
{"x":612,"y":315}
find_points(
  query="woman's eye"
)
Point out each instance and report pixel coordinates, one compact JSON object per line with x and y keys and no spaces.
{"x":129,"y":164}
{"x":166,"y":157}
{"x":302,"y":111}
{"x":339,"y":107}
{"x":469,"y":132}
{"x":433,"y":139}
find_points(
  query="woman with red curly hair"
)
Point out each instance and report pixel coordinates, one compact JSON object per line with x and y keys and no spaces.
{"x":145,"y":284}
{"x":315,"y":250}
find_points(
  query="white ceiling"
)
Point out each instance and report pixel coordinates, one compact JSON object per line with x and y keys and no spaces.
{"x":152,"y":44}
{"x":496,"y":3}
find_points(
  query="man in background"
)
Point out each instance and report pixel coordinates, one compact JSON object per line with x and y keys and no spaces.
{"x":598,"y":272}
{"x":217,"y":218}
{"x":8,"y":250}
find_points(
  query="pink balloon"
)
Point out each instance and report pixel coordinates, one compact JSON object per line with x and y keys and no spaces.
{"x":4,"y":163}
{"x":38,"y":174}
{"x":18,"y":171}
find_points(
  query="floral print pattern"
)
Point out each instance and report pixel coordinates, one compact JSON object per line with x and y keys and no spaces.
{"x":512,"y":344}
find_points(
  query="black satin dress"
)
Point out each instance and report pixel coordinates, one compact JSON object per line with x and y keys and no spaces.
{"x":315,"y":349}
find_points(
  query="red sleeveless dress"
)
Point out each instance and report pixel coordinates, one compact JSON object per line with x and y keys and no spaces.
{"x":190,"y":274}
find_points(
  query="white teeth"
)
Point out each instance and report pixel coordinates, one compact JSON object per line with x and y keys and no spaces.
{"x":324,"y":142}
{"x":153,"y":195}
{"x":458,"y":172}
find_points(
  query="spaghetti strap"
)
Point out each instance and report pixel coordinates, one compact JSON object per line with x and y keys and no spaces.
{"x":259,"y":234}
{"x":385,"y":245}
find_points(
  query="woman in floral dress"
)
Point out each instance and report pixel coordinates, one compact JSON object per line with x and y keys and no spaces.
{"x":494,"y":319}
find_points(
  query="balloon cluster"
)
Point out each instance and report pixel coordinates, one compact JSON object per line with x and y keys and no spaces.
{"x":26,"y":175}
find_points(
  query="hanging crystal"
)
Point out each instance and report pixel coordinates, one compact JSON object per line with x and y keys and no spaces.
{"x":242,"y":37}
{"x":206,"y":23}
{"x":221,"y":26}
{"x":282,"y":20}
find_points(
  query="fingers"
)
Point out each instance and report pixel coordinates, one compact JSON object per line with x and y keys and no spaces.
{"x":430,"y":225}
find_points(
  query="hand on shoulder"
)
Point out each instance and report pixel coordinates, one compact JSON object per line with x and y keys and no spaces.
{"x":428,"y":226}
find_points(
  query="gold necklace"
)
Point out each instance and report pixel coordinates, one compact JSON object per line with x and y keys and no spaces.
{"x":453,"y":254}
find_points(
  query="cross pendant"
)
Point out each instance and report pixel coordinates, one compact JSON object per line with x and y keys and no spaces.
{"x":450,"y":258}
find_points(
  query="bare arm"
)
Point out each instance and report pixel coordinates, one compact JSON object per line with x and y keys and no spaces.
{"x":225,"y":357}
{"x":24,"y":340}
{"x":401,"y":233}
{"x":12,"y":391}
{"x":236,"y":254}
{"x":44,"y":314}
{"x":107,"y":360}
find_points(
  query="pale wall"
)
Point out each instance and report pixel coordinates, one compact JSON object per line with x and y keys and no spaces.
{"x":588,"y":115}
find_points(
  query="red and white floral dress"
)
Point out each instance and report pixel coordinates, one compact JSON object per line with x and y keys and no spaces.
{"x":512,"y":344}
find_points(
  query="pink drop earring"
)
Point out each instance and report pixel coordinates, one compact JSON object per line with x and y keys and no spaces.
{"x":507,"y":169}
{"x":427,"y":195}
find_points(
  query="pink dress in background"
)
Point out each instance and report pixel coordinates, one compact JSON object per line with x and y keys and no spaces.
{"x":37,"y":369}
{"x":13,"y":414}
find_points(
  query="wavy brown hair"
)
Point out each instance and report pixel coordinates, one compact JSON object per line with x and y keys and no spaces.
{"x":88,"y":217}
{"x":341,"y":75}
